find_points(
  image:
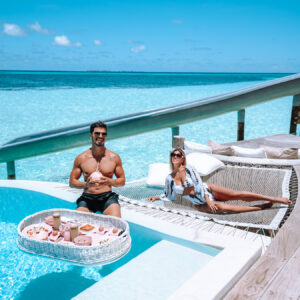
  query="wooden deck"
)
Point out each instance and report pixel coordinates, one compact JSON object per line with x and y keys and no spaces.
{"x":276,"y":275}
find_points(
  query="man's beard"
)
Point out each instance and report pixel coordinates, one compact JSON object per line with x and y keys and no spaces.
{"x":98,"y":143}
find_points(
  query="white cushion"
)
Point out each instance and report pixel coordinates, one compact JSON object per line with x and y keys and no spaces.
{"x":249,"y":152}
{"x":190,"y":147}
{"x":157,"y":174}
{"x":203,"y":163}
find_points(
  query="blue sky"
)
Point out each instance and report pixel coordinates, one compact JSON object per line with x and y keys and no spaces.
{"x":139,"y":35}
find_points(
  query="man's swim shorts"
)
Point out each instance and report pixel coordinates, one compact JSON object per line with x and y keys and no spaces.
{"x":97,"y":202}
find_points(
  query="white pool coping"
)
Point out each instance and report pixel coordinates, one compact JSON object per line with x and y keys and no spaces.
{"x":213,"y":281}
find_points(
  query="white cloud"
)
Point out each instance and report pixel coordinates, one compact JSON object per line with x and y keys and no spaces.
{"x":61,"y":40}
{"x":38,"y":28}
{"x":13,"y":29}
{"x":97,"y":42}
{"x":177,"y":21}
{"x":77,"y":44}
{"x":138,"y":48}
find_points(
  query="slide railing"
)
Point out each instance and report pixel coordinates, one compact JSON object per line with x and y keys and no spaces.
{"x":155,"y":119}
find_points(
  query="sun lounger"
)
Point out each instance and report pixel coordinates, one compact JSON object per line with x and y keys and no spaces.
{"x":270,"y":181}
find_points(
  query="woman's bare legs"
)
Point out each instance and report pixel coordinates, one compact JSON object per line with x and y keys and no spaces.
{"x":224,"y":194}
{"x":224,"y":207}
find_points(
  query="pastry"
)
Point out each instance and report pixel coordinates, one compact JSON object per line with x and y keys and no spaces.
{"x":87,"y":227}
{"x":83,"y":240}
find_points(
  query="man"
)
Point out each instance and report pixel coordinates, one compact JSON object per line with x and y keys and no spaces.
{"x":98,"y":166}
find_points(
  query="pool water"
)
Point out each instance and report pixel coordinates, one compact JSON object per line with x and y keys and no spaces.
{"x":27,"y":276}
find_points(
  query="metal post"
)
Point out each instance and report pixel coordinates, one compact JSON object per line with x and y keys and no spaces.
{"x":295,"y":116}
{"x":241,"y":125}
{"x":11,"y":170}
{"x":175,"y":131}
{"x":178,"y":142}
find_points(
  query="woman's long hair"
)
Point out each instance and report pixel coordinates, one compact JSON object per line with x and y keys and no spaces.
{"x":183,"y":156}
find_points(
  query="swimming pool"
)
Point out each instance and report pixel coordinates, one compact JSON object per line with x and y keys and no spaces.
{"x":26,"y":276}
{"x":185,"y":260}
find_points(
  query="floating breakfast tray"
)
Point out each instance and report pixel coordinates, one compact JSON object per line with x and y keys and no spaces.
{"x":102,"y":253}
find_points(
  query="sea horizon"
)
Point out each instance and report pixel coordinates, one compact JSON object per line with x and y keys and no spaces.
{"x":137,"y":71}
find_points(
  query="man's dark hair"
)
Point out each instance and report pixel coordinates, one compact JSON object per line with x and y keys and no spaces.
{"x":97,"y":124}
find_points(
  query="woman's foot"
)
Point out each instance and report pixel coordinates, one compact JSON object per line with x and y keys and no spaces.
{"x":283,"y":200}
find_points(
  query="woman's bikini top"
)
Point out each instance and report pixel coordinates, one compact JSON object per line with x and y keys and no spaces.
{"x":179,"y":188}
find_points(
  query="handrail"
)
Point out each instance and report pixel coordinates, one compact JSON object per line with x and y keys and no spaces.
{"x":155,"y":119}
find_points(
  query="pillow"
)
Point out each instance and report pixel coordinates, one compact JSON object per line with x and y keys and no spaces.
{"x":248,"y":152}
{"x":203,"y":163}
{"x":282,"y":153}
{"x":157,"y":174}
{"x":190,"y":147}
{"x":220,"y":149}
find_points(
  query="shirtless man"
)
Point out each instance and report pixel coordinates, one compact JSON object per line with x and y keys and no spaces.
{"x":98,"y":166}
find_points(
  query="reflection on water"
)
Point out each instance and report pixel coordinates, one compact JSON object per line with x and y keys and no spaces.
{"x":56,"y":286}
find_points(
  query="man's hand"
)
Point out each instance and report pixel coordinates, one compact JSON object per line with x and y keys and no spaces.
{"x":106,"y":181}
{"x":91,"y":181}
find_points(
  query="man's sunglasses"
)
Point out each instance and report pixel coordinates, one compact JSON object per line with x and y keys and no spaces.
{"x":100,"y":133}
{"x":176,"y":155}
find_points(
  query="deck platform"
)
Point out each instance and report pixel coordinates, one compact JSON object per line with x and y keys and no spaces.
{"x":276,"y":275}
{"x":278,"y":140}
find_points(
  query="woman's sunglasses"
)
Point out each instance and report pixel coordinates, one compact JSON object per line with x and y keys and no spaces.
{"x":176,"y":155}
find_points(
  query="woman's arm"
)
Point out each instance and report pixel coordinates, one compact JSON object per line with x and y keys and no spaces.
{"x":169,"y":191}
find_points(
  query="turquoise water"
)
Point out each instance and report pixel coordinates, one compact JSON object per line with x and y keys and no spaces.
{"x":37,"y":101}
{"x":27,"y":276}
{"x":11,"y":80}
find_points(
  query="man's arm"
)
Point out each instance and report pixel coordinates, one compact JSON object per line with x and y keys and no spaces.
{"x":75,"y":175}
{"x":119,"y":172}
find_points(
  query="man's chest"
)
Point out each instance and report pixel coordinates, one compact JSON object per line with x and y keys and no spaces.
{"x":106,"y":166}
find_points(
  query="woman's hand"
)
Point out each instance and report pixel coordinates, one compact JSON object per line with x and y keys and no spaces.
{"x":153,"y":198}
{"x":211,"y":204}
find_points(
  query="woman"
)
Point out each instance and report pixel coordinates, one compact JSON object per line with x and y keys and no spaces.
{"x":185,"y":180}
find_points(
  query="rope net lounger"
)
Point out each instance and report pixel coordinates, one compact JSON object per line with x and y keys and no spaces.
{"x":102,"y":253}
{"x":269,"y":181}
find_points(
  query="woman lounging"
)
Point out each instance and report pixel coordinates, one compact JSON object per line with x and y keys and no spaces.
{"x":185,"y":180}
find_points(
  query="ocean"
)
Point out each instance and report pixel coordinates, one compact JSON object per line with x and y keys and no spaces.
{"x":36,"y":101}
